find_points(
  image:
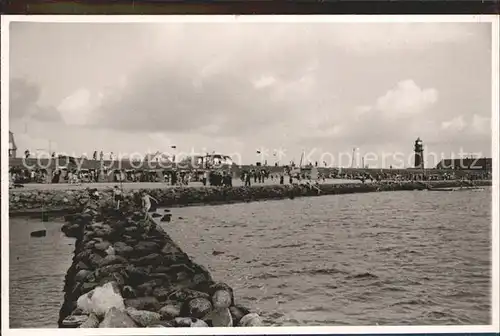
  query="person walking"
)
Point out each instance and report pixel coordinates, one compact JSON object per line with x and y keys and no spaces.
{"x":117,"y":196}
{"x":146,"y":203}
{"x":247,"y":180}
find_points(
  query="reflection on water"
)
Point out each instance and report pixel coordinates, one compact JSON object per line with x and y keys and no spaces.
{"x":396,"y":258}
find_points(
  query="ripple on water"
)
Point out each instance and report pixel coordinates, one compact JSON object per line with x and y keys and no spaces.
{"x":395,"y":258}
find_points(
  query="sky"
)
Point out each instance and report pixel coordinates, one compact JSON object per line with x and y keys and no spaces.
{"x":323,"y":89}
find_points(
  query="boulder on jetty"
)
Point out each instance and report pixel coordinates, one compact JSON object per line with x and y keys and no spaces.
{"x":26,"y":201}
{"x":127,"y":272}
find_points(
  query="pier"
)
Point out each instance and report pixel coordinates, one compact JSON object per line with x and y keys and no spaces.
{"x":127,"y":272}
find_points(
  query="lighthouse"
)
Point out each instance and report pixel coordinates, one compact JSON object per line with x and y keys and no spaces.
{"x":419,"y":154}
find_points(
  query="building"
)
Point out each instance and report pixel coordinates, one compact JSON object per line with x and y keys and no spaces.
{"x":12,"y":146}
{"x":159,"y":157}
{"x":485,"y":164}
{"x":212,"y":160}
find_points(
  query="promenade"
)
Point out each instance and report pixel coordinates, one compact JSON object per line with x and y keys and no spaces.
{"x":151,"y":185}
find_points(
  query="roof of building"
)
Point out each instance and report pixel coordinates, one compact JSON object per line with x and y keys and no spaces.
{"x":466,"y":163}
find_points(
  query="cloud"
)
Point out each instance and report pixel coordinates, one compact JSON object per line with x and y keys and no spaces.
{"x":481,"y":125}
{"x":401,"y":113}
{"x":77,"y":108}
{"x":24,"y":102}
{"x":456,"y":124}
{"x":406,"y":98}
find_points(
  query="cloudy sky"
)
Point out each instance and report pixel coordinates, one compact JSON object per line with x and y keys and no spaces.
{"x":240,"y":87}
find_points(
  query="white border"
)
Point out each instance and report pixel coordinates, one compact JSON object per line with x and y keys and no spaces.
{"x":5,"y":20}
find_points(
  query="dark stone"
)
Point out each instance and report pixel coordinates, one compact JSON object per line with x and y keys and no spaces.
{"x":128,"y":292}
{"x":152,"y":259}
{"x":144,"y":303}
{"x":237,"y":312}
{"x":38,"y":233}
{"x":112,"y":259}
{"x":198,"y":308}
{"x":81,"y":266}
{"x":116,"y":318}
{"x":161,"y":293}
{"x":187,"y":294}
{"x":146,"y":247}
{"x":146,"y":289}
{"x":136,"y":275}
{"x":82,"y":275}
{"x":170,"y":310}
{"x":95,"y":260}
{"x":103,"y":246}
{"x":88,"y":286}
{"x":166,"y":218}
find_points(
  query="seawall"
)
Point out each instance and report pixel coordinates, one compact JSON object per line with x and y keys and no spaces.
{"x":34,"y":202}
{"x":127,"y":272}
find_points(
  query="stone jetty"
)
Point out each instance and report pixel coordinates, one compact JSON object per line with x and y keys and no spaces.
{"x":61,"y":202}
{"x":127,"y":272}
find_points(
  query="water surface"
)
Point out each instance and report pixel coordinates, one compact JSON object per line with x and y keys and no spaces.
{"x":394,"y":258}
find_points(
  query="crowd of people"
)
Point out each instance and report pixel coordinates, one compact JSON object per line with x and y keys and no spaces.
{"x":221,"y":177}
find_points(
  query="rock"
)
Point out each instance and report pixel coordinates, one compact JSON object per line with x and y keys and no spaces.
{"x":198,"y":307}
{"x":171,"y":310}
{"x":222,"y":299}
{"x":82,"y":275}
{"x":199,"y":324}
{"x":216,"y":253}
{"x":108,"y":270}
{"x":74,"y":321}
{"x":164,"y":324}
{"x":95,"y":260}
{"x":89,"y":286}
{"x":161,"y":293}
{"x":151,"y":259}
{"x":188,"y":294}
{"x":221,"y":318}
{"x":101,"y":299}
{"x":128,"y":292}
{"x":91,"y":322}
{"x":38,"y":233}
{"x":250,"y":320}
{"x":110,"y":251}
{"x":146,"y":247}
{"x":237,"y":312}
{"x":143,"y":318}
{"x":146,"y":289}
{"x":136,"y":275}
{"x":123,"y":249}
{"x":111,"y":260}
{"x":155,"y":215}
{"x":103,"y":246}
{"x":144,"y":303}
{"x":166,"y":218}
{"x":189,"y":322}
{"x":115,"y":318}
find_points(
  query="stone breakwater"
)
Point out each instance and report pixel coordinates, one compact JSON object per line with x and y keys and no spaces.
{"x":127,"y":272}
{"x":26,"y":202}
